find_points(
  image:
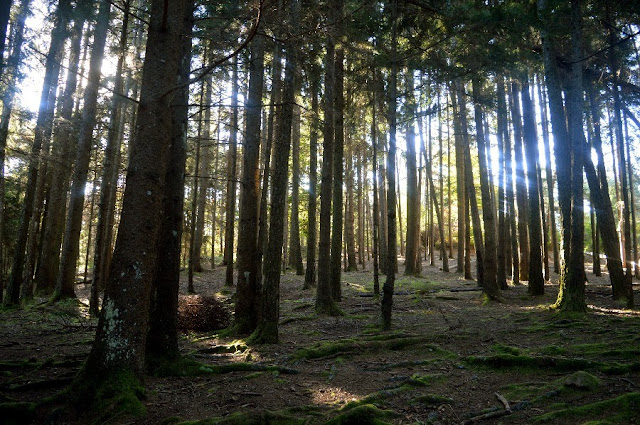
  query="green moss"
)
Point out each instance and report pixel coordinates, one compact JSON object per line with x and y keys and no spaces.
{"x":120,"y":392}
{"x":561,"y":364}
{"x":430,"y":400}
{"x":366,"y":414}
{"x":617,"y":410}
{"x":15,"y":413}
{"x":505,"y":349}
{"x":356,"y":345}
{"x":185,"y":366}
{"x":421,"y":380}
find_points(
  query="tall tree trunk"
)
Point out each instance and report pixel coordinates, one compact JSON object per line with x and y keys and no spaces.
{"x":501,"y":273}
{"x":194,"y":196}
{"x":203,"y":173}
{"x":376,"y":214}
{"x":71,"y":241}
{"x":120,"y":342}
{"x":536,"y":279}
{"x":460,"y":179}
{"x":310,"y":274}
{"x":110,"y":170}
{"x":162,"y":338}
{"x":470,"y":190}
{"x":338,"y":173}
{"x":349,"y":224}
{"x":412,"y":257}
{"x":521,"y":184}
{"x":324,"y":298}
{"x":599,"y":188}
{"x":232,"y":176}
{"x":295,"y":255}
{"x":11,"y":76}
{"x":542,"y":100}
{"x":624,"y":183}
{"x":571,"y":294}
{"x":632,"y":204}
{"x":267,"y":331}
{"x":489,"y":277}
{"x":276,"y":88}
{"x":361,"y":162}
{"x":247,"y":307}
{"x":41,"y":135}
{"x":388,"y":287}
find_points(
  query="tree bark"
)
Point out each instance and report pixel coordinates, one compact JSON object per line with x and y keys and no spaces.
{"x":119,"y":346}
{"x":501,"y":273}
{"x":295,"y":254}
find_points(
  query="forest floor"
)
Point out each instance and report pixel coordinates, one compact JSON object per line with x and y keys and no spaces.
{"x":450,"y":358}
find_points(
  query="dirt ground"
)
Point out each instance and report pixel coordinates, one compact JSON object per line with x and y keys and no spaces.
{"x":450,"y":358}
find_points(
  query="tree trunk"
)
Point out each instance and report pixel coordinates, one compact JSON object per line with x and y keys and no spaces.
{"x":489,"y":282}
{"x":162,"y":338}
{"x":267,"y":331}
{"x":71,"y":242}
{"x":247,"y":307}
{"x":572,"y":286}
{"x":119,"y":347}
{"x":232,"y":176}
{"x":295,"y":254}
{"x":11,"y":76}
{"x":501,"y":273}
{"x":599,"y":188}
{"x":310,"y":274}
{"x":536,"y":279}
{"x":388,"y":287}
{"x":349,"y":224}
{"x":338,"y":175}
{"x":412,"y":257}
{"x":460,"y":179}
{"x":324,"y":297}
{"x":542,"y":99}
{"x":521,"y":184}
{"x":110,"y":170}
{"x":41,"y":134}
{"x":376,"y":214}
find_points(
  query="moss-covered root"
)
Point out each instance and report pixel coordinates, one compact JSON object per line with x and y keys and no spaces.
{"x":184,"y":366}
{"x":119,"y":393}
{"x":16,"y":413}
{"x":366,"y":414}
{"x":617,"y":410}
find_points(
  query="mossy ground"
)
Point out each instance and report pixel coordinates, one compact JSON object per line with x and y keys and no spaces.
{"x":444,"y":360}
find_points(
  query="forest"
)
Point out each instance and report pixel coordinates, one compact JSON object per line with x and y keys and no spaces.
{"x":319,"y":211}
